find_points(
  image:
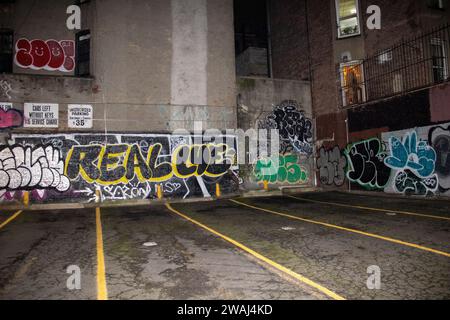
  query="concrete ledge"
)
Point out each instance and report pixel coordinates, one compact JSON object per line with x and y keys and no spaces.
{"x":392,"y":195}
{"x":244,"y":194}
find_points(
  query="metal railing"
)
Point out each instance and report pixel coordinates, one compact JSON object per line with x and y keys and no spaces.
{"x":412,"y":64}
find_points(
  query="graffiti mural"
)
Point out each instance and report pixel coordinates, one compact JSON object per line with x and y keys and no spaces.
{"x":285,"y":169}
{"x":120,"y":166}
{"x":366,"y":164}
{"x":10,"y":118}
{"x":414,"y":163}
{"x":47,"y":55}
{"x":408,"y":183}
{"x":295,"y":129}
{"x":439,"y":139}
{"x":331,"y":165}
{"x":27,"y":168}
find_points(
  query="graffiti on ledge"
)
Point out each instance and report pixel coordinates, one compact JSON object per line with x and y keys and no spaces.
{"x":120,"y":166}
{"x":413,"y":161}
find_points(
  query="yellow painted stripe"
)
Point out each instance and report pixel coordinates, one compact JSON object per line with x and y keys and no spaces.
{"x":15,"y":215}
{"x":408,"y":244}
{"x":370,"y":208}
{"x":261,"y":257}
{"x":102,"y":293}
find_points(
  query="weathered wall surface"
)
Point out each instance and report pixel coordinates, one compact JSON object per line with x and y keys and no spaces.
{"x":71,"y":167}
{"x":173,"y":62}
{"x":284,"y":105}
{"x":156,"y":66}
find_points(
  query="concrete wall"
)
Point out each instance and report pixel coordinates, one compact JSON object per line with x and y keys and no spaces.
{"x":285,"y":105}
{"x":155,"y":64}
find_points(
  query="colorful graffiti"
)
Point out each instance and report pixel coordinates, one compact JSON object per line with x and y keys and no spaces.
{"x":295,"y":129}
{"x":47,"y":55}
{"x":366,"y":164}
{"x":331,"y":165}
{"x":399,"y":162}
{"x":285,"y":169}
{"x":413,"y":162}
{"x":10,"y":118}
{"x":120,"y":166}
{"x":121,"y":163}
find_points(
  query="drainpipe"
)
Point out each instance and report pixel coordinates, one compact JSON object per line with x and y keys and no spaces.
{"x":269,"y":40}
{"x":346,"y":132}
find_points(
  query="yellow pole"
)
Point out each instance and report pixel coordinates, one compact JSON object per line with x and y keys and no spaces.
{"x":99,"y":198}
{"x":159,"y":193}
{"x":218,"y":190}
{"x":266,"y":185}
{"x":26,"y":198}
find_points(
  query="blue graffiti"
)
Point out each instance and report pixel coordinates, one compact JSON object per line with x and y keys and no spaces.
{"x":411,"y":154}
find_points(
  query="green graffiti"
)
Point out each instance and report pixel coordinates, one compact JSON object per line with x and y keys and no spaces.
{"x":287,"y":170}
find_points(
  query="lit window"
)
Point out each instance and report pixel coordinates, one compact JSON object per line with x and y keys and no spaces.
{"x":352,"y":83}
{"x":347,"y":18}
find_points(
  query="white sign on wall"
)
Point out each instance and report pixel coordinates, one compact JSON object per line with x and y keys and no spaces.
{"x":6,"y":105}
{"x":79,"y":116}
{"x":40,"y":115}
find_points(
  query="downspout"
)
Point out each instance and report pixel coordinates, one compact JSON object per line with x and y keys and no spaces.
{"x":269,"y":40}
{"x":311,"y":82}
{"x":348,"y":142}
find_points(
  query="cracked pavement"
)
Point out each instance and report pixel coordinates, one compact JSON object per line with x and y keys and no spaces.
{"x":189,"y":262}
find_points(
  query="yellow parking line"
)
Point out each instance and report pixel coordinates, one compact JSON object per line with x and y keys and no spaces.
{"x":370,"y":208}
{"x":102,"y":292}
{"x":279,"y":267}
{"x":15,"y":215}
{"x":408,"y":244}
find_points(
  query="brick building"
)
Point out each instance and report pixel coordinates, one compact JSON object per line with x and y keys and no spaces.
{"x":367,"y":83}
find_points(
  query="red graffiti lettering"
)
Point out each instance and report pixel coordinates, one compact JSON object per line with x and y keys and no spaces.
{"x":48,"y":55}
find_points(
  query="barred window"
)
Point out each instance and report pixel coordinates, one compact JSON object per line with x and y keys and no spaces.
{"x":352,"y":83}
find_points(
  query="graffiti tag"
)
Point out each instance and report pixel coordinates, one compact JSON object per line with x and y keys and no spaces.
{"x":47,"y":55}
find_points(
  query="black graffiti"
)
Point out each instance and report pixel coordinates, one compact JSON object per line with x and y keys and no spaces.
{"x":366,"y":164}
{"x":295,"y":129}
{"x":120,"y":163}
{"x":408,"y":183}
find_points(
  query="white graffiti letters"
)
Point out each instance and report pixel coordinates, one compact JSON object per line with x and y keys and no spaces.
{"x":38,"y":168}
{"x":331,"y":165}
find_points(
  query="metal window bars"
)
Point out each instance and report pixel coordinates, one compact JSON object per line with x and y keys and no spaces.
{"x":412,"y":64}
